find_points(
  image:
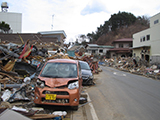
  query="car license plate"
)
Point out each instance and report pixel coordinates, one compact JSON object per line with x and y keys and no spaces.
{"x":50,"y":97}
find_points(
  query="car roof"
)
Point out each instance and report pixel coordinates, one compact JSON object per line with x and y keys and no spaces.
{"x":83,"y":61}
{"x":63,"y":60}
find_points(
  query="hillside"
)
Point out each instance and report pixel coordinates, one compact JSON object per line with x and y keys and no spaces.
{"x":120,"y":25}
{"x":125,"y":32}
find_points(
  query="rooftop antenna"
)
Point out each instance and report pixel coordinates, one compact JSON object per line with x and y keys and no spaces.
{"x":4,"y":6}
{"x":52,"y":22}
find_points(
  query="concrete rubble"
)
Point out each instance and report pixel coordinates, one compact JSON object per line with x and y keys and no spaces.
{"x":19,"y":67}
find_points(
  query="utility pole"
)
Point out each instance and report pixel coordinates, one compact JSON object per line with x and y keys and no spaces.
{"x":52,"y":22}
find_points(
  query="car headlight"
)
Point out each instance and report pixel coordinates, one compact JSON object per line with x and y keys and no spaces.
{"x":73,"y":85}
{"x":40,"y":83}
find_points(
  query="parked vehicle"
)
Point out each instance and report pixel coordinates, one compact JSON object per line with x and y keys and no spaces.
{"x":87,"y":75}
{"x":59,"y":83}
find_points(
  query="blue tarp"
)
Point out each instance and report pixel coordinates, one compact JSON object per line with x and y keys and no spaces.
{"x":71,"y":53}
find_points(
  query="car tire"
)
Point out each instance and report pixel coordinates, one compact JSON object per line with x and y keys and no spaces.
{"x":75,"y":108}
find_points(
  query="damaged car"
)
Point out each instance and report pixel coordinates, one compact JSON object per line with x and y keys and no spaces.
{"x":59,"y":83}
{"x":87,"y":74}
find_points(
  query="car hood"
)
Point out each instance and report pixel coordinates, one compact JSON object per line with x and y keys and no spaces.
{"x":86,"y":72}
{"x":56,"y":82}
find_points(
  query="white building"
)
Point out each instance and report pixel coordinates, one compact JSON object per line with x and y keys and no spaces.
{"x":146,"y":44}
{"x":13,"y":19}
{"x":98,"y":49}
{"x":59,"y":35}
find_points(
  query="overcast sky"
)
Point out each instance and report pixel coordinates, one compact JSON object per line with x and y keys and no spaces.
{"x":75,"y":16}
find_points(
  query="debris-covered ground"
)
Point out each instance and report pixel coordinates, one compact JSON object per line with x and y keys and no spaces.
{"x":21,"y":64}
{"x":134,"y":65}
{"x":19,"y":67}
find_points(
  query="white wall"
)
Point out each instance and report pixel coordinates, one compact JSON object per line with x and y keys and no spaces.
{"x":154,"y":33}
{"x":13,"y":19}
{"x":154,"y":42}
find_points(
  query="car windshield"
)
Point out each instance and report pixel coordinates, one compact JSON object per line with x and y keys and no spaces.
{"x":59,"y":70}
{"x":84,"y":65}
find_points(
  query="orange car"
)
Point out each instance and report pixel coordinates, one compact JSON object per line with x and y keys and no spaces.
{"x":59,"y":83}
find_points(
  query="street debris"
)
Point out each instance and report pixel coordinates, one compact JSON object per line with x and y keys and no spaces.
{"x":135,"y":66}
{"x":19,"y":68}
{"x":21,"y":64}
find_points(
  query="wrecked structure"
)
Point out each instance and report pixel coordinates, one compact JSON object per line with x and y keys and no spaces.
{"x":20,"y":65}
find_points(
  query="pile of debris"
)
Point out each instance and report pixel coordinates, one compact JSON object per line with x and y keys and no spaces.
{"x":19,"y":67}
{"x":91,"y":60}
{"x":135,"y":65}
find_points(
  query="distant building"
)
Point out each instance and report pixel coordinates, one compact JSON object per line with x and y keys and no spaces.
{"x":59,"y":35}
{"x":92,"y":48}
{"x":146,"y":43}
{"x":13,"y":19}
{"x":98,"y":49}
{"x":122,"y":48}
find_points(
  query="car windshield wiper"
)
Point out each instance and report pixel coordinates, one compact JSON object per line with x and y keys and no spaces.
{"x":71,"y":76}
{"x":51,"y":76}
{"x":47,"y":76}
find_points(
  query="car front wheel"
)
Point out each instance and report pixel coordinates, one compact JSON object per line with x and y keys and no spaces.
{"x":74,"y":108}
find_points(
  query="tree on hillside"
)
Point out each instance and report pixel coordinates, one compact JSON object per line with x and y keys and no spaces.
{"x":116,"y":21}
{"x":4,"y":27}
{"x":124,"y":32}
{"x":143,"y":20}
{"x":122,"y":19}
{"x":83,"y":41}
{"x":107,"y":27}
{"x":83,"y":37}
{"x":92,"y":37}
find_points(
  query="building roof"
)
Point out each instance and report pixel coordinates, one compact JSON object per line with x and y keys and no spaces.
{"x":53,"y":33}
{"x":92,"y":45}
{"x":123,"y":40}
{"x":105,"y":46}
